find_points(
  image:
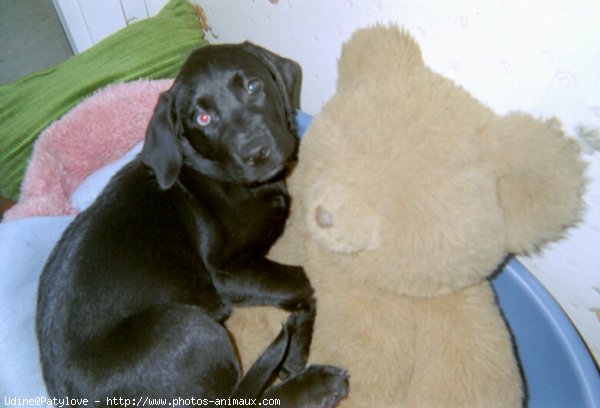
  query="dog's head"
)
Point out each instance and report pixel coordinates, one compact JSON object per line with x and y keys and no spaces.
{"x":230,"y":115}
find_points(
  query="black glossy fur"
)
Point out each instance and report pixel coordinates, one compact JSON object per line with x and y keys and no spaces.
{"x":132,"y":300}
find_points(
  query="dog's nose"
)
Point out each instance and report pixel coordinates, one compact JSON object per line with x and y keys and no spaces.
{"x":257,"y":154}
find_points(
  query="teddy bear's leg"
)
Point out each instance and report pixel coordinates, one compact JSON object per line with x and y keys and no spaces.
{"x":315,"y":386}
{"x":253,"y":328}
{"x":470,"y":361}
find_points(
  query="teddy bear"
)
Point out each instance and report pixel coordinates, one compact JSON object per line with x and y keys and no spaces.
{"x":408,"y":195}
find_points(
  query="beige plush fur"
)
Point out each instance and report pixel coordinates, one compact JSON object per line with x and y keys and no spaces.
{"x":408,"y":195}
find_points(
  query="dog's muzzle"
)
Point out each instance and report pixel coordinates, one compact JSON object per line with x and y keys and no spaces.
{"x":264,"y":157}
{"x":255,"y":153}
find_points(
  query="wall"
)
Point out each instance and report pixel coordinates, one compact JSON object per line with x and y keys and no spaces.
{"x":88,"y":21}
{"x":539,"y":56}
{"x":30,"y":25}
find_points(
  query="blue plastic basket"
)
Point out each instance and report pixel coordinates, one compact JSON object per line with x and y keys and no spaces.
{"x":559,"y":370}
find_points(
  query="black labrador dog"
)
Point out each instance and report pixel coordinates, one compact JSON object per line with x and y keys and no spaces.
{"x":132,"y":300}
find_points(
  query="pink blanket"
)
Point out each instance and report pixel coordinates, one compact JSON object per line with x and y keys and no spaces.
{"x":97,"y":131}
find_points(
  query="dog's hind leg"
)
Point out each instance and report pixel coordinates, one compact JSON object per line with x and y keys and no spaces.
{"x":264,"y":369}
{"x":171,"y":351}
{"x":315,"y":386}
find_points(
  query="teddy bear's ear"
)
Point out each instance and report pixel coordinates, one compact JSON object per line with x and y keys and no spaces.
{"x":377,"y":52}
{"x":540,"y":179}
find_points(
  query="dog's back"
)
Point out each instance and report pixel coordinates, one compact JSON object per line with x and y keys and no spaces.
{"x":112,"y":279}
{"x":113,"y":262}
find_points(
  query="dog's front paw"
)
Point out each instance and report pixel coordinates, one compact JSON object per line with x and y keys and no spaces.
{"x":318,"y":386}
{"x":328,"y":387}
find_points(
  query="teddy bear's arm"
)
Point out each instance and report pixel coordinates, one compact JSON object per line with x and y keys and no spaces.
{"x":469,"y":362}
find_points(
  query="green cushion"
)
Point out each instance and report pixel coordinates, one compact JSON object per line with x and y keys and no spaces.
{"x":152,"y":48}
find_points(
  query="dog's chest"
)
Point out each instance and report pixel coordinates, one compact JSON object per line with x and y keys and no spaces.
{"x":232,"y":220}
{"x":260,"y":215}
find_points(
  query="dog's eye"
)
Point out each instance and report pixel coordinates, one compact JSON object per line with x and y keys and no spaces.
{"x":203,"y":119}
{"x":253,"y":86}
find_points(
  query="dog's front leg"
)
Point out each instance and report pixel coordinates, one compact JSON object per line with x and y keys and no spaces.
{"x":299,"y":347}
{"x":261,"y":282}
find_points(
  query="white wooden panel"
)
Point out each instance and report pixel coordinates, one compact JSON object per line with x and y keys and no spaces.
{"x":74,"y":24}
{"x":134,"y":10}
{"x":102,"y":17}
{"x":86,"y":22}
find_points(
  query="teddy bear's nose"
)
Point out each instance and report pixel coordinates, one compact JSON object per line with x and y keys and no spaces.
{"x":324,"y":218}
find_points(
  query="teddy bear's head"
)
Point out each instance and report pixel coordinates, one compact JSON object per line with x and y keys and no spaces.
{"x":407,"y":182}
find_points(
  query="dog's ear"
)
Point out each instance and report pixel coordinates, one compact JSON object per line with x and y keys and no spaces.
{"x":288,"y":76}
{"x":162,"y":149}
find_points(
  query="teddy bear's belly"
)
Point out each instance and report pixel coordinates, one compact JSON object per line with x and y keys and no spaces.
{"x":362,"y":331}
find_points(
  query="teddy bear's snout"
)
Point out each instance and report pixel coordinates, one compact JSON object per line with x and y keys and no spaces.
{"x":339,"y":220}
{"x":323,"y":217}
